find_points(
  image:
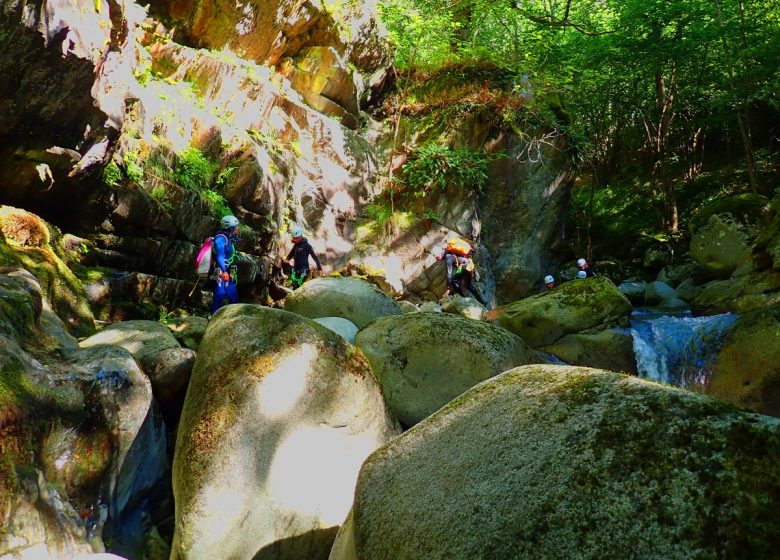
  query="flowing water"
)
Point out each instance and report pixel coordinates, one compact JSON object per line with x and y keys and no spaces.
{"x":678,"y":350}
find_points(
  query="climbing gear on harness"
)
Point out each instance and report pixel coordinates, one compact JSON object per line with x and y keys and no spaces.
{"x":297,"y":278}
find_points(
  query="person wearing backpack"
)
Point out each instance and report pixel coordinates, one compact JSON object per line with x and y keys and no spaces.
{"x":457,"y":255}
{"x":225,"y":262}
{"x":300,"y":253}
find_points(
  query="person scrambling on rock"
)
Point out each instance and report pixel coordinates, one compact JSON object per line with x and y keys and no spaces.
{"x":225,"y":257}
{"x":457,"y":255}
{"x":549,"y":282}
{"x":300,"y":253}
{"x":582,"y":264}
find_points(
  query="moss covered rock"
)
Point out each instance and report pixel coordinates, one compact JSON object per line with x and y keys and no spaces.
{"x":353,"y":299}
{"x":610,"y":349}
{"x":747,"y":369}
{"x":26,"y":242}
{"x":558,"y":462}
{"x":424,"y":360}
{"x":279,"y":415}
{"x":739,"y":294}
{"x":574,"y":306}
{"x":145,"y":340}
{"x":723,"y":234}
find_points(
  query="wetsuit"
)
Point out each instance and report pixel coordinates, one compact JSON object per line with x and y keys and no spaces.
{"x":225,"y":258}
{"x":300,"y":254}
{"x":458,"y":277}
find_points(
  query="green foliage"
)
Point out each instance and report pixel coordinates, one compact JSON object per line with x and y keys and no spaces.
{"x":193,"y":170}
{"x":430,"y":214}
{"x":112,"y":174}
{"x":133,"y":170}
{"x":160,"y":195}
{"x":216,"y":202}
{"x":223,"y":179}
{"x":436,"y":167}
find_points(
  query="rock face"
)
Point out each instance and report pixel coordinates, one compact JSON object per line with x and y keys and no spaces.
{"x":83,"y":442}
{"x":574,"y":306}
{"x":424,"y":360}
{"x":275,"y":427}
{"x":747,"y":369}
{"x":559,"y":462}
{"x":353,"y":299}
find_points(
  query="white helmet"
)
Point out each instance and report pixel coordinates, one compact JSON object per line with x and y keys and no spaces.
{"x":297,"y":231}
{"x":549,"y":279}
{"x":581,"y":274}
{"x":228,"y":221}
{"x":581,"y":262}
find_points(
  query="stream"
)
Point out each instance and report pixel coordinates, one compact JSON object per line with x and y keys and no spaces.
{"x":678,"y":350}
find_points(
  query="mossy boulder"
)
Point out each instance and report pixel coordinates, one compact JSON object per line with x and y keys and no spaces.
{"x":747,"y":369}
{"x":739,"y":294}
{"x":563,"y":462}
{"x":465,"y":307}
{"x":145,"y":340}
{"x":723,"y":234}
{"x":188,"y":330}
{"x":573,"y":306}
{"x":27,"y":242}
{"x":353,"y":299}
{"x":424,"y":360}
{"x":279,"y":415}
{"x":610,"y":349}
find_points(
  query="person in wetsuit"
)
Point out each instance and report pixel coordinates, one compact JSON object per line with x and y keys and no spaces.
{"x":300,"y":253}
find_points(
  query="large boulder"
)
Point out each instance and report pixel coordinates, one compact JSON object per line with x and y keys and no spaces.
{"x":465,"y":307}
{"x":610,"y":349}
{"x":83,"y":443}
{"x":345,"y":329}
{"x":353,"y":299}
{"x":747,"y":369}
{"x":657,"y":292}
{"x":739,"y":294}
{"x":562,"y":462}
{"x":145,"y":340}
{"x":424,"y":360}
{"x":723,"y":234}
{"x":279,"y":416}
{"x":574,"y":306}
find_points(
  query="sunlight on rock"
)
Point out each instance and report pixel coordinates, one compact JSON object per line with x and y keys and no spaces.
{"x":309,"y":478}
{"x":282,"y":387}
{"x":389,"y":266}
{"x":220,"y":507}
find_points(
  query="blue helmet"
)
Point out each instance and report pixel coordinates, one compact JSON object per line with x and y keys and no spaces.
{"x":228,"y":222}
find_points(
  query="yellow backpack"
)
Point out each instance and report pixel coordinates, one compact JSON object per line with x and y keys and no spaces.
{"x":458,"y":246}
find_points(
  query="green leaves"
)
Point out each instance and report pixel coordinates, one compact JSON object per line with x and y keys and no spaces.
{"x":435,"y":167}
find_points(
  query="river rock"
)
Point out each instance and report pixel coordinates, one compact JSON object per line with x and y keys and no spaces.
{"x":723,"y":234}
{"x":610,"y":349}
{"x":145,"y":340}
{"x":634,"y":291}
{"x":274,"y":429}
{"x":747,"y":368}
{"x":170,"y":374}
{"x":345,"y":329}
{"x":573,"y":306}
{"x":407,"y":306}
{"x":424,"y":360}
{"x":465,"y":307}
{"x":353,"y":299}
{"x":688,"y":290}
{"x":564,"y":462}
{"x":98,"y":438}
{"x":658,"y":292}
{"x":188,"y":330}
{"x":739,"y":294}
{"x":430,"y":307}
{"x":674,"y":305}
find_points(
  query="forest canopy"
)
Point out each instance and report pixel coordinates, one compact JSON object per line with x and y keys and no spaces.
{"x":655,"y":87}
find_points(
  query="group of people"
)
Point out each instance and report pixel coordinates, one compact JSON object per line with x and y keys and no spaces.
{"x":584,"y":271}
{"x":226,"y":261}
{"x":457,"y":255}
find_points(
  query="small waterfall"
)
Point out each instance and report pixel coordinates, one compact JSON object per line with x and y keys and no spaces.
{"x":679,"y":350}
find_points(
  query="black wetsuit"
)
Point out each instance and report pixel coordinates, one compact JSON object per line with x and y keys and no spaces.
{"x":300,"y":254}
